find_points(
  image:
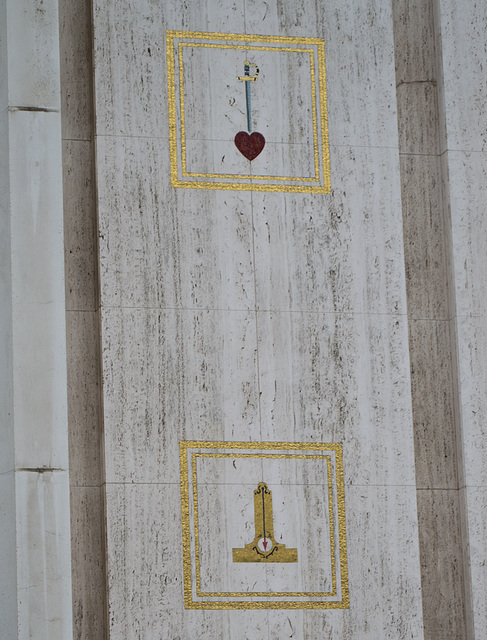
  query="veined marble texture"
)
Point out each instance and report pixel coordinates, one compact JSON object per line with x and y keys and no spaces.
{"x":234,"y":315}
{"x":327,"y":297}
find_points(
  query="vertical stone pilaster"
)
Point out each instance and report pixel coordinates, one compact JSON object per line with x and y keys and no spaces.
{"x":426,"y":253}
{"x":460,"y":35}
{"x":35,"y":534}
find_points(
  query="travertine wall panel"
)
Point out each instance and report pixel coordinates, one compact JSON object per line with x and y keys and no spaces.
{"x":84,"y":412}
{"x":442,"y":569}
{"x":339,"y":256}
{"x":144,"y":561}
{"x":460,"y":44}
{"x":322,"y":377}
{"x":359,"y":52}
{"x":145,"y":579}
{"x":87,"y":538}
{"x":130,"y":58}
{"x":425,"y":247}
{"x":161,"y":248}
{"x":79,"y":226}
{"x":418,"y":101}
{"x":173,"y":375}
{"x":472,"y":352}
{"x":76,"y":70}
{"x":461,"y":39}
{"x":475,"y":503}
{"x":433,"y":404}
{"x":414,"y":41}
{"x":378,"y":519}
{"x":467,"y":184}
{"x":238,"y":315}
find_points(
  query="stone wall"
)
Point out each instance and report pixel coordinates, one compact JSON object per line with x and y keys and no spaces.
{"x":312,"y":320}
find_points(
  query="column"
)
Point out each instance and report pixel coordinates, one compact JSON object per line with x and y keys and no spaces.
{"x":35,"y":593}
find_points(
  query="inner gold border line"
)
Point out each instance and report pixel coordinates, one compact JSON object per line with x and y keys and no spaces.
{"x":284,"y":446}
{"x":315,"y":121}
{"x":230,"y":176}
{"x":249,"y":186}
{"x":342,"y":534}
{"x":258,"y":594}
{"x":324,"y":118}
{"x":196,"y":527}
{"x":252,"y":47}
{"x":171,"y":91}
{"x":332,"y":526}
{"x":258,"y":455}
{"x":183,"y":465}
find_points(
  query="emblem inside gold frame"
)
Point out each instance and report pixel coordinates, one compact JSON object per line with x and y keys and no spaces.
{"x":264,"y":547}
{"x":179,"y":41}
{"x":197,"y":529}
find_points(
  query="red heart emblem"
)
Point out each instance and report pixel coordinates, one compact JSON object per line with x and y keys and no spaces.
{"x":249,"y":145}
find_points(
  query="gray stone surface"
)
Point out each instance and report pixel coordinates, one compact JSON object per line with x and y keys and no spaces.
{"x":76,"y":69}
{"x":441,"y":564}
{"x":34,"y":545}
{"x":433,"y":405}
{"x":230,"y":315}
{"x":84,"y":395}
{"x":460,"y":32}
{"x":425,"y":244}
{"x":80,"y":250}
{"x":334,"y":253}
{"x":175,"y":375}
{"x":85,"y":415}
{"x":88,"y":558}
{"x":161,"y":247}
{"x":431,"y":303}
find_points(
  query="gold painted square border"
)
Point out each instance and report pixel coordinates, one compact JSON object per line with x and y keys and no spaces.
{"x":186,"y":174}
{"x":238,"y":186}
{"x":246,"y":594}
{"x":184,"y":445}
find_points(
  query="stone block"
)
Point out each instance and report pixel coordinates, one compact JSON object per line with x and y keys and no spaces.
{"x":417,"y":113}
{"x":467,"y":185}
{"x":334,"y":253}
{"x":43,"y":555}
{"x":88,"y":558}
{"x":414,"y":40}
{"x":340,"y":378}
{"x":425,"y":238}
{"x":433,"y":404}
{"x":471,"y":336}
{"x":461,"y":39}
{"x":85,"y":420}
{"x":441,"y":565}
{"x":166,"y":247}
{"x":76,"y":69}
{"x":80,"y":228}
{"x":175,"y":375}
{"x":33,"y":58}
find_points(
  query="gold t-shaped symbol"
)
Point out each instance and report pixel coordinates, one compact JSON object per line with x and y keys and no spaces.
{"x":264,"y":548}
